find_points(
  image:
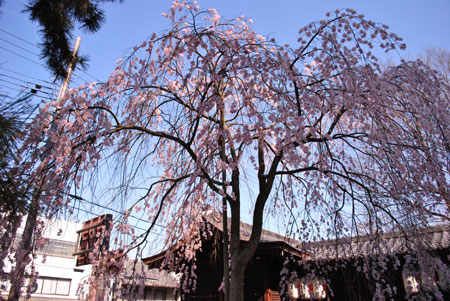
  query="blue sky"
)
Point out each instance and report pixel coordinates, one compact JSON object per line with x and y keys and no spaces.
{"x":421,"y":23}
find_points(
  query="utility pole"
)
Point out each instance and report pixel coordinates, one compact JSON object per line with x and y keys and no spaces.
{"x":22,"y":255}
{"x":66,"y":82}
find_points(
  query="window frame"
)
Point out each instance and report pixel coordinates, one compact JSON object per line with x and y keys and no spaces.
{"x":41,"y":281}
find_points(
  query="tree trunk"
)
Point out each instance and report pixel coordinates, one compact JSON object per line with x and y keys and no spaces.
{"x":237,"y":281}
{"x":240,"y":256}
{"x":226,"y":269}
{"x":223,"y":157}
{"x":23,"y":254}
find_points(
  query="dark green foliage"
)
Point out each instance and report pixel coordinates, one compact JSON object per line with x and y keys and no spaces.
{"x":58,"y":19}
{"x":13,"y":116}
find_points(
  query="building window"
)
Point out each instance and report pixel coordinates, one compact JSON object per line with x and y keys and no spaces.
{"x":55,"y":247}
{"x":155,"y":294}
{"x":53,"y":286}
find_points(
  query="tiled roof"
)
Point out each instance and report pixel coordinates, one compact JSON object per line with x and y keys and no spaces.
{"x":430,"y":238}
{"x":215,"y":219}
{"x":153,"y":277}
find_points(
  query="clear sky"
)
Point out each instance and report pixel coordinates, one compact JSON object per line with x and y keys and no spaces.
{"x":421,"y":23}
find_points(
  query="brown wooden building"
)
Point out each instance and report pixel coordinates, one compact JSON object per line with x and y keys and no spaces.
{"x":341,"y":266}
{"x":262,"y":272}
{"x":413,"y":264}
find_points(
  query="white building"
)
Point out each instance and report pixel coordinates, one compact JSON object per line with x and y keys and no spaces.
{"x":58,"y":276}
{"x":60,"y":279}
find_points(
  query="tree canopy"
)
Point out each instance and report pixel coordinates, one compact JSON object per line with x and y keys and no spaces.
{"x":315,"y":132}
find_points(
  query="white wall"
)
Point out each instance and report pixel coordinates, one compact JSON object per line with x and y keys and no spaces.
{"x":54,"y":268}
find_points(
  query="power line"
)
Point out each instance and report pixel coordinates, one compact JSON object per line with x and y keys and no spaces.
{"x":5,"y":96}
{"x":21,"y":74}
{"x":45,"y":95}
{"x":26,"y":86}
{"x":82,"y":79}
{"x":20,"y":80}
{"x":91,"y":76}
{"x":7,"y":87}
{"x":96,"y":214}
{"x":15,"y":84}
{"x":24,"y":57}
{"x":75,"y":82}
{"x":20,"y":47}
{"x":12,"y":88}
{"x":119,"y":212}
{"x":11,"y":43}
{"x":13,"y":35}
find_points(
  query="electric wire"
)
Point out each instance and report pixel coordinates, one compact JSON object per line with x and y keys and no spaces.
{"x":27,"y":82}
{"x":41,"y":88}
{"x":34,"y":78}
{"x":82,"y":79}
{"x":15,"y":84}
{"x":3,"y":96}
{"x":24,"y":57}
{"x":96,"y":214}
{"x":33,"y":53}
{"x":19,"y":38}
{"x":10,"y":88}
{"x":26,"y":86}
{"x":21,"y":91}
{"x":119,"y":212}
{"x":91,"y":76}
{"x":20,"y":47}
{"x":13,"y":88}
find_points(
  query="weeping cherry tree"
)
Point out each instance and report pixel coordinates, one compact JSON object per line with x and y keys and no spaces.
{"x":211,"y":114}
